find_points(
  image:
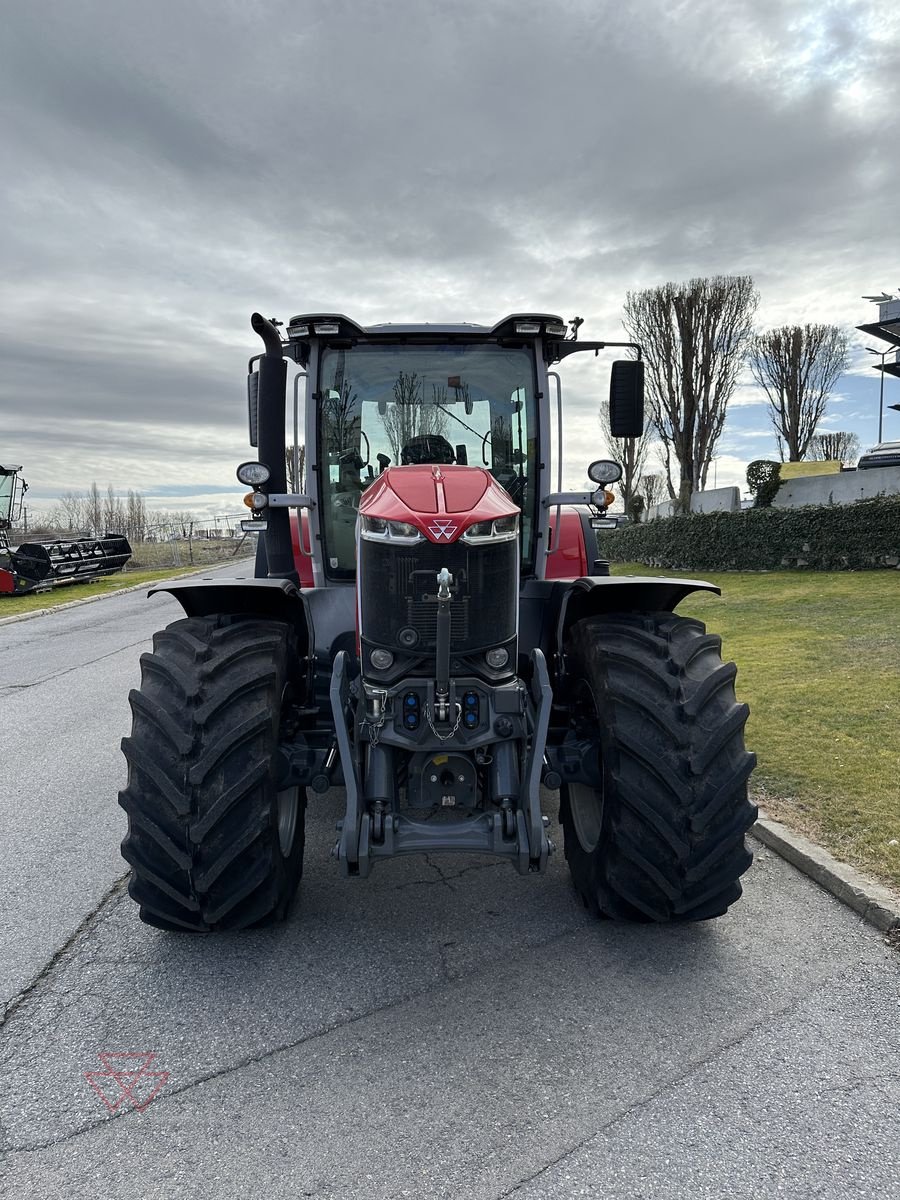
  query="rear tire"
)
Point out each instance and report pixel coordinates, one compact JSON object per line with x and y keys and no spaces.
{"x":663,"y":838}
{"x":211,"y":841}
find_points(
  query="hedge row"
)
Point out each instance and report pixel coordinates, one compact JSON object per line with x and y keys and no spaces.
{"x":829,"y":537}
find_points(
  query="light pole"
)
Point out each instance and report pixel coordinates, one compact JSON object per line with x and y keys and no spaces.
{"x":883,"y":355}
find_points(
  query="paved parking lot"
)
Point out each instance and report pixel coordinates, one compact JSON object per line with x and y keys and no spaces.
{"x":443,"y":1029}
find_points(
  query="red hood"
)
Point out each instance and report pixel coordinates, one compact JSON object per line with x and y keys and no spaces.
{"x":441,"y":501}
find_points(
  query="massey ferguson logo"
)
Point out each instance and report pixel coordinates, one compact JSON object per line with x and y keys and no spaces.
{"x":442,"y":529}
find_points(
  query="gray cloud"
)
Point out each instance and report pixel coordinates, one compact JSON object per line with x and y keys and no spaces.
{"x":171,"y":167}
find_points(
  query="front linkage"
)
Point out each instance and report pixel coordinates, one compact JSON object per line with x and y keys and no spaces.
{"x":448,"y":773}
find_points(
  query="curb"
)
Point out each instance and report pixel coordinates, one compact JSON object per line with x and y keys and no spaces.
{"x":874,"y":902}
{"x":135,"y":587}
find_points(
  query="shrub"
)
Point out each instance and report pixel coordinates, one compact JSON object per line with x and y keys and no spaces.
{"x":828,"y":537}
{"x":763,"y":480}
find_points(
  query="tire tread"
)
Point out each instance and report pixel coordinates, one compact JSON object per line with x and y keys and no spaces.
{"x":675,"y":769}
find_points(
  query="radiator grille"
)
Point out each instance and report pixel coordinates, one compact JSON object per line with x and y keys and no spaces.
{"x":395,"y":581}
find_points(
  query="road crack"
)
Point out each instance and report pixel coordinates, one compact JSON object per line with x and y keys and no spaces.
{"x":108,"y":898}
{"x":24,"y":687}
{"x":667,"y":1085}
{"x":444,"y":879}
{"x":252,"y":1060}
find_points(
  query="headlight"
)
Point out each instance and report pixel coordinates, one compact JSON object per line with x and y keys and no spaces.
{"x":502,"y":529}
{"x":481,"y":529}
{"x":497,"y":658}
{"x":381,"y":659}
{"x":377,"y":529}
{"x":402,"y":529}
{"x":253,"y":473}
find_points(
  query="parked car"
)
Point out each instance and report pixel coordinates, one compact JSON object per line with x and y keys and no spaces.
{"x":885,"y":454}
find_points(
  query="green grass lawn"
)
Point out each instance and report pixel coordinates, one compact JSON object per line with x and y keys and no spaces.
{"x":12,"y":606}
{"x":818,"y":658}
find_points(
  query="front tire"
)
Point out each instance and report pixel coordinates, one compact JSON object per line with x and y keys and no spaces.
{"x":212,"y":842}
{"x":662,"y":839}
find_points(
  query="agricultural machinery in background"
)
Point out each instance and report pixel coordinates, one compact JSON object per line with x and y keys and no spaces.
{"x":431,"y":628}
{"x":34,"y":566}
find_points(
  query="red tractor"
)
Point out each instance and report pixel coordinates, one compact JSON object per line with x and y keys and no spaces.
{"x":430,"y":627}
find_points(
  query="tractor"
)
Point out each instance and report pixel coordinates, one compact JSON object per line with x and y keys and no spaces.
{"x":430,"y":627}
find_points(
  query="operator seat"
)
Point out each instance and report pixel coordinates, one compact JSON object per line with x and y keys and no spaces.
{"x":427,"y":448}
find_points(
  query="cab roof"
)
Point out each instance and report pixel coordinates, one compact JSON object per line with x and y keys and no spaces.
{"x":304,"y":325}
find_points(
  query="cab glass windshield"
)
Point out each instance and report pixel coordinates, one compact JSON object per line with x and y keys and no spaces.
{"x":391,"y":405}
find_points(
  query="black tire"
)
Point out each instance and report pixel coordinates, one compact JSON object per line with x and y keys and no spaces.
{"x":211,"y":842}
{"x":663,"y":838}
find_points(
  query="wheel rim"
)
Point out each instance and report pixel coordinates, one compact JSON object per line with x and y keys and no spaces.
{"x":287,"y":801}
{"x":586,"y":803}
{"x":586,"y":806}
{"x":288,"y":808}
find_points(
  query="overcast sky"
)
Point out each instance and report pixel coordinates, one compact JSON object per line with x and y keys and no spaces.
{"x":170,"y":167}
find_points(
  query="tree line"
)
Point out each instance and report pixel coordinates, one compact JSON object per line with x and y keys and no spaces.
{"x":94,"y":513}
{"x":696,"y":337}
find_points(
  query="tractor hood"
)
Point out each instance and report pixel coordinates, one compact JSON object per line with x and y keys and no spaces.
{"x":440,"y":501}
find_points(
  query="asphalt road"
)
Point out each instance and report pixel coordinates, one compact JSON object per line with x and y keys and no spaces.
{"x":443,"y":1029}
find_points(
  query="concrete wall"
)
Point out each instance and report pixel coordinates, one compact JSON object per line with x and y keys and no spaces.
{"x":666,"y":509}
{"x":808,"y":489}
{"x":839,"y":489}
{"x":726,"y":499}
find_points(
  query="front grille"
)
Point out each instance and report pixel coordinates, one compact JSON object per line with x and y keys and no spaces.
{"x":395,"y":583}
{"x":422,"y":617}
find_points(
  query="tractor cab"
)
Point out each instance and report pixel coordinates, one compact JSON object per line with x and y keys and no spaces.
{"x":12,"y":490}
{"x":390,"y":396}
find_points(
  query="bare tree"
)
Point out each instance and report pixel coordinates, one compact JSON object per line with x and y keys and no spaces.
{"x":93,"y":510}
{"x":295,"y":482}
{"x":114,"y":518}
{"x":135,"y":516}
{"x":652,"y":488}
{"x":340,"y":416}
{"x":694,"y":337}
{"x":631,"y":453}
{"x":68,"y":514}
{"x":409,"y":416}
{"x":834,"y":445}
{"x":797,"y":366}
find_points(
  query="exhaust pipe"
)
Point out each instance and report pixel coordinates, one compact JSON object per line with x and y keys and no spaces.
{"x":272,"y":383}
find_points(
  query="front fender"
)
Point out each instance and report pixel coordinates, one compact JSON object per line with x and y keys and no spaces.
{"x":278,"y":599}
{"x":625,"y":593}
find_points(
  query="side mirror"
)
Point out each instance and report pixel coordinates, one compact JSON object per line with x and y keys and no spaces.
{"x":253,"y":406}
{"x":604,"y":471}
{"x":626,"y":399}
{"x":469,"y":403}
{"x":462,"y":455}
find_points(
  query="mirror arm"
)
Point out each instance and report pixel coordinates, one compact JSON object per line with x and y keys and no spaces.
{"x":595,"y":499}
